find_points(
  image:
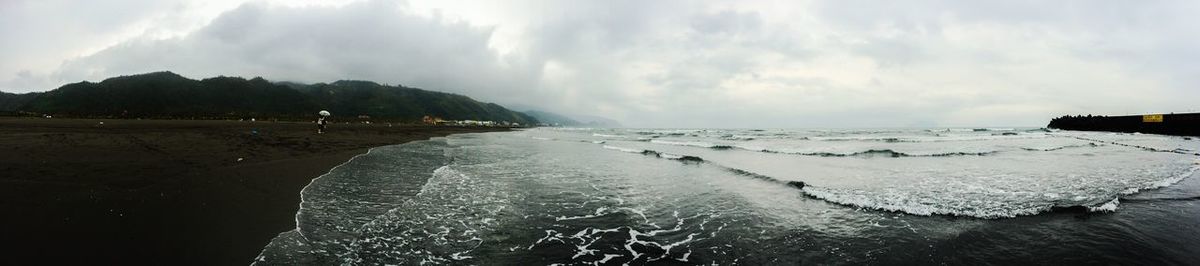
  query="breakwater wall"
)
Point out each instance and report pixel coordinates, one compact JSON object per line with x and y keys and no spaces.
{"x":1165,"y":124}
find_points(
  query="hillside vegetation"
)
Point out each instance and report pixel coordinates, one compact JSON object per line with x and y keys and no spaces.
{"x":168,"y":95}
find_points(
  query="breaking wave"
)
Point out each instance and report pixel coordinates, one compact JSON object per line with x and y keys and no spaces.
{"x":657,"y":154}
{"x":1146,"y":148}
{"x":933,"y":138}
{"x":917,"y":204}
{"x":1162,"y":199}
{"x":886,"y":153}
{"x":897,"y":201}
{"x":1090,"y":144}
{"x":865,"y":153}
{"x":608,"y":136}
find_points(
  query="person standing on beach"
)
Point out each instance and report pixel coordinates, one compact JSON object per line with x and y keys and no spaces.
{"x":321,"y":125}
{"x":321,"y":121}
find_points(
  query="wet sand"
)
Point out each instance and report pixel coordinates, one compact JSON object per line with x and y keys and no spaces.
{"x":165,"y":192}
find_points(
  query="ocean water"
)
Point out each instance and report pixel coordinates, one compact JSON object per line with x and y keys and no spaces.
{"x":560,"y":196}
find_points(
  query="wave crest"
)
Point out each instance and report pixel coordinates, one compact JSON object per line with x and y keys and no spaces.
{"x":866,"y":153}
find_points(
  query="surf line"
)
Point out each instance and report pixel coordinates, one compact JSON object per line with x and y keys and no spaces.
{"x":689,"y":159}
{"x":314,"y":180}
{"x":865,"y":153}
{"x":1136,"y":146}
{"x":820,"y":193}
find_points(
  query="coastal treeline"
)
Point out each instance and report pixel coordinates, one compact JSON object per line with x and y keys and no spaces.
{"x":1166,"y":124}
{"x":169,"y":95}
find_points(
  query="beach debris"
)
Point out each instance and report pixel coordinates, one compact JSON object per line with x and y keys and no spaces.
{"x":239,"y":159}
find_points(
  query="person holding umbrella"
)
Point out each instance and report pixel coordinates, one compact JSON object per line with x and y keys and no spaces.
{"x":321,"y":121}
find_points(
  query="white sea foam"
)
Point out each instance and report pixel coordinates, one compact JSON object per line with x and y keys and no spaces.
{"x":443,"y":223}
{"x":310,"y":183}
{"x":934,"y":138}
{"x":979,"y":196}
{"x":596,"y":213}
{"x":744,"y":137}
{"x":1171,"y":180}
{"x":952,"y":130}
{"x":684,"y":143}
{"x":584,"y":239}
{"x":608,"y":136}
{"x":670,"y":156}
{"x":1110,"y":206}
{"x":919,"y":205}
{"x":623,"y":149}
{"x":998,"y":205}
{"x":1059,"y":147}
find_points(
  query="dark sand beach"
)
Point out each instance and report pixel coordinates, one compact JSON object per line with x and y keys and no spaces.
{"x":166,"y":192}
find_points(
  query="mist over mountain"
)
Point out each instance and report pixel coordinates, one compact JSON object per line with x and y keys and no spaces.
{"x":370,"y":98}
{"x":169,"y":95}
{"x":551,"y":118}
{"x":555,"y":119}
{"x":596,"y":121}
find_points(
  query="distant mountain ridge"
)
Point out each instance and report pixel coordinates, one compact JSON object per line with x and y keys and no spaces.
{"x":166,"y":94}
{"x":552,"y":118}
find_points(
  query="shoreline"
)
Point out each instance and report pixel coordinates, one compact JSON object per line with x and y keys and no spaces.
{"x":300,"y":194}
{"x":167,"y":191}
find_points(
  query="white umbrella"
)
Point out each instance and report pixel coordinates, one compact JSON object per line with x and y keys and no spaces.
{"x":323,"y":113}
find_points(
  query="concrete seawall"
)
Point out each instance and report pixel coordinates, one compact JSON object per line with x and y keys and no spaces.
{"x":1165,"y":124}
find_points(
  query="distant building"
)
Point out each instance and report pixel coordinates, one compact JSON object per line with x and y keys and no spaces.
{"x":465,"y":122}
{"x":432,"y":120}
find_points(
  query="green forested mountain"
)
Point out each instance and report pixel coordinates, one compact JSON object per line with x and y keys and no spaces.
{"x":166,"y":94}
{"x":12,"y":102}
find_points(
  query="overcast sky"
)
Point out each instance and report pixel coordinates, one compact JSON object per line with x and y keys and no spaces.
{"x":654,"y":63}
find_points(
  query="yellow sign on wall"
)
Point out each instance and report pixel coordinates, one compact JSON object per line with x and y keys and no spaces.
{"x":1152,"y":118}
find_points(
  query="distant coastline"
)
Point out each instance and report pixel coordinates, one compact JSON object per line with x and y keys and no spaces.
{"x":1166,"y":124}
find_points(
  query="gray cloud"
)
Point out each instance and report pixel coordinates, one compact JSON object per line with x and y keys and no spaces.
{"x":697,"y":64}
{"x":369,"y":41}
